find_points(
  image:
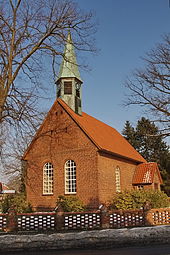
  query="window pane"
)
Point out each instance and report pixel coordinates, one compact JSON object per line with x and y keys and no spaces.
{"x":48,"y":178}
{"x":117,"y":181}
{"x":70,"y":176}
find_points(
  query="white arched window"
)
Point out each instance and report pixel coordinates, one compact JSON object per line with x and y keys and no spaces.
{"x":48,"y":179}
{"x":70,"y":177}
{"x":117,"y":179}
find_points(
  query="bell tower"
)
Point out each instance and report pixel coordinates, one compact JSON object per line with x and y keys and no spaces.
{"x":69,"y":82}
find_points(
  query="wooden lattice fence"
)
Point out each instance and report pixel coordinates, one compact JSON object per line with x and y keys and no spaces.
{"x":159,"y":216}
{"x":101,"y":219}
{"x":36,"y":221}
{"x":3,"y":221}
{"x":86,"y":220}
{"x":122,"y":219}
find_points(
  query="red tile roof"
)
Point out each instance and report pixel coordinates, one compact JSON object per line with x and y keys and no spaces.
{"x":145,"y":172}
{"x":3,"y":186}
{"x":103,"y":136}
{"x":5,"y":189}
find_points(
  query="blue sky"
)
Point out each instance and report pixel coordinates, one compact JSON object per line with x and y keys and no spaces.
{"x":127,"y":30}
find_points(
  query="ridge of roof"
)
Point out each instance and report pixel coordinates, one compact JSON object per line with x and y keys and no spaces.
{"x":105,"y":137}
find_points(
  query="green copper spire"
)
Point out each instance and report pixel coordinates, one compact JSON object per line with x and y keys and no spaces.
{"x":69,"y":67}
{"x":69,"y":83}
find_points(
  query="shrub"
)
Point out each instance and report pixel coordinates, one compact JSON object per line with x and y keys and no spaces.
{"x":122,"y":200}
{"x":158,"y":199}
{"x":136,"y":199}
{"x":18,"y":202}
{"x":70,"y":204}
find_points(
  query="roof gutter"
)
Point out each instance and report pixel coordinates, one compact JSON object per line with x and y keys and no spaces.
{"x":120,"y":156}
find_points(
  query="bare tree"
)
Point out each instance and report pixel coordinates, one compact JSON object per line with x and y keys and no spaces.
{"x":11,"y":156}
{"x":32,"y":36}
{"x":150,"y":87}
{"x":32,"y":33}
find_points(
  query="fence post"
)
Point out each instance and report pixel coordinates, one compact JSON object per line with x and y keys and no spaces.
{"x":146,"y":214}
{"x":59,"y":218}
{"x":105,"y":217}
{"x":12,"y":223}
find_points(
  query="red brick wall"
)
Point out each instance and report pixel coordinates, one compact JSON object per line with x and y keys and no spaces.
{"x":156,"y":181}
{"x":106,"y":175}
{"x":59,"y":140}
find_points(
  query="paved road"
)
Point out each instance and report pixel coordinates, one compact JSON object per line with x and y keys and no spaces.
{"x":154,"y":250}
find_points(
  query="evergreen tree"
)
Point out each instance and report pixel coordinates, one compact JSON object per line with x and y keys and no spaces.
{"x":149,"y":143}
{"x":146,"y":140}
{"x":129,"y":133}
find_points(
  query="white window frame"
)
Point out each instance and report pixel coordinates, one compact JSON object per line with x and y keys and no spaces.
{"x":48,"y":179}
{"x":70,"y":177}
{"x":117,"y":179}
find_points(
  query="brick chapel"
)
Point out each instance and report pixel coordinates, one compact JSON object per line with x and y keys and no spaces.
{"x":75,"y":154}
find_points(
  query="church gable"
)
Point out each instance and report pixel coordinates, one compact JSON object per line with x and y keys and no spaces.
{"x":58,"y":131}
{"x":60,"y":143}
